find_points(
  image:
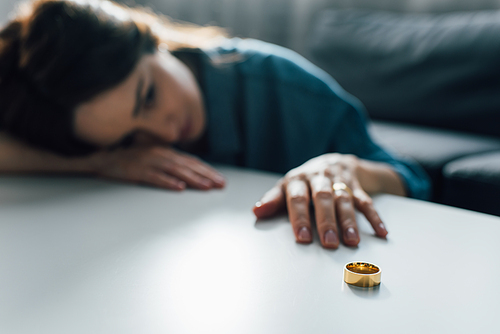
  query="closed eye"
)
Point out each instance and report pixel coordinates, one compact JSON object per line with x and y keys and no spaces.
{"x":150,"y":98}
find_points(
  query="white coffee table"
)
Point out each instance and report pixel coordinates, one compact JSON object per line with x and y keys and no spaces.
{"x":87,"y":256}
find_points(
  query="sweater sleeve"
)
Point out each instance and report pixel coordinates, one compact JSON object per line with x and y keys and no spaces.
{"x":345,"y":118}
{"x":351,"y":136}
{"x":278,"y":110}
{"x":348,"y":130}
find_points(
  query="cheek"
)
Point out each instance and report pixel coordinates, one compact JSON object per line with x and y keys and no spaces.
{"x":191,"y":97}
{"x":100,"y":129}
{"x":180,"y":86}
{"x":179,"y":99}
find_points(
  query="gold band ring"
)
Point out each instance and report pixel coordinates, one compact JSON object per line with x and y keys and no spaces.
{"x":362,"y":274}
{"x":337,"y":186}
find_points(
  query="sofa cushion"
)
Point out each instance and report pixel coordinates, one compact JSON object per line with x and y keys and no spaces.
{"x":439,"y":70}
{"x":432,"y":148}
{"x":473,"y":183}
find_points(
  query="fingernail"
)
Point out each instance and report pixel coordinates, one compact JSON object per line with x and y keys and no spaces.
{"x":331,"y":238}
{"x":219,"y":180}
{"x":383,"y":232}
{"x":206,"y":184}
{"x":304,"y":235}
{"x":350,"y":234}
{"x":181,"y":185}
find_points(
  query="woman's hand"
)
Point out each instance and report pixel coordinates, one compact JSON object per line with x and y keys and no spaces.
{"x":333,"y":209}
{"x":158,"y":166}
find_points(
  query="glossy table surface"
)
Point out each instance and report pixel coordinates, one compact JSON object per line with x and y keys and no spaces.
{"x":88,"y":256}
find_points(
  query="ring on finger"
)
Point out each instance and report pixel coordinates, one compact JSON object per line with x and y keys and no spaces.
{"x":339,"y":186}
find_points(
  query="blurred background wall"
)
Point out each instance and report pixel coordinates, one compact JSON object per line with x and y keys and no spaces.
{"x":284,"y":22}
{"x":5,"y":8}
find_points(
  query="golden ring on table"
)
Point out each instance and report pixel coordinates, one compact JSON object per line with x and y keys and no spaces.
{"x":362,"y":274}
{"x":338,"y":186}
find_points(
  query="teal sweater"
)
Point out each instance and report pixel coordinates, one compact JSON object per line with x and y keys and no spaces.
{"x":270,"y":109}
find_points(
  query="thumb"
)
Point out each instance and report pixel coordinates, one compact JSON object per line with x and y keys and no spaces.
{"x":271,"y":203}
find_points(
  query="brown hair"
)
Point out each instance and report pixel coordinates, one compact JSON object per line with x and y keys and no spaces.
{"x":57,"y":54}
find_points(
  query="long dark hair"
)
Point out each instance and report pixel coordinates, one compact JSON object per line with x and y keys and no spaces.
{"x":57,"y":54}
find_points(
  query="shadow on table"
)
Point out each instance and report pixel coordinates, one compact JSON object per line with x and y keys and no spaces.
{"x":271,"y":223}
{"x":376,"y":292}
{"x":27,"y":189}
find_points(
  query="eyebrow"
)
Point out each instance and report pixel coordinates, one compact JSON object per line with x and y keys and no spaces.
{"x":138,"y":99}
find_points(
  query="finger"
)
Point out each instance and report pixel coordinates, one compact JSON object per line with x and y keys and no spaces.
{"x":160,"y":179}
{"x":297,"y":200}
{"x":322,"y":195}
{"x":364,"y":204}
{"x":271,"y":203}
{"x":193,"y":179}
{"x":346,"y":217}
{"x":207,"y":171}
{"x":173,"y":163}
{"x":180,"y":171}
{"x":201,"y":168}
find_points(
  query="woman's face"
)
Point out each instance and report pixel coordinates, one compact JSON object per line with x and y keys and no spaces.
{"x":160,"y":98}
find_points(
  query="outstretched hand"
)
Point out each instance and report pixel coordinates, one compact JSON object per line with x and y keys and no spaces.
{"x":158,"y":166}
{"x":334,"y":209}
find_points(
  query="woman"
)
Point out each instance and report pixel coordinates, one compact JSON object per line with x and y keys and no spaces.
{"x":94,"y":87}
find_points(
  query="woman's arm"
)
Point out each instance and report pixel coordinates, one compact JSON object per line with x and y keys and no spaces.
{"x":376,"y":177}
{"x":16,"y":157}
{"x":156,"y":165}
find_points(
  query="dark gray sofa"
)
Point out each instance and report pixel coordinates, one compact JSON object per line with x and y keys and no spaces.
{"x":431,"y":84}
